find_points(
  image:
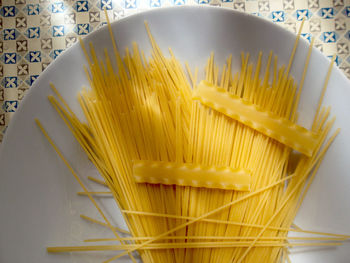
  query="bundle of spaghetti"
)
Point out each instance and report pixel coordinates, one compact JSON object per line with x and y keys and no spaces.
{"x":282,"y":210}
{"x":142,"y":110}
{"x":148,"y":111}
{"x":267,"y":159}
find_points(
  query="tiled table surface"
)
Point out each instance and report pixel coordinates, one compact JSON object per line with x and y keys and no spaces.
{"x":34,"y":32}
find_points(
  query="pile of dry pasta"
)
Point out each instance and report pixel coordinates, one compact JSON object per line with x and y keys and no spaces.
{"x":209,"y":170}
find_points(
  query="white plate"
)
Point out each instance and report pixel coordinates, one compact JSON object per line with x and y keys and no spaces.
{"x":38,"y":205}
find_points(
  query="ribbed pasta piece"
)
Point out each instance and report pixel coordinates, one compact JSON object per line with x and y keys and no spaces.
{"x":280,"y":129}
{"x":191,"y":175}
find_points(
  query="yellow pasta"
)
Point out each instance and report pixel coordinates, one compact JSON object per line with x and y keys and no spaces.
{"x":283,"y":130}
{"x":191,"y":175}
{"x":165,"y":157}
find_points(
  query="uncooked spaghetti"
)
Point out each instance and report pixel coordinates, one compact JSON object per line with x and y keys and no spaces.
{"x":203,"y":171}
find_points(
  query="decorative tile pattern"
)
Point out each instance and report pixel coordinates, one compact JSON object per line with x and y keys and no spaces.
{"x":34,"y":32}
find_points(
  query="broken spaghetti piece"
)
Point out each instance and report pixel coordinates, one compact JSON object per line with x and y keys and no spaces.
{"x":191,"y":175}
